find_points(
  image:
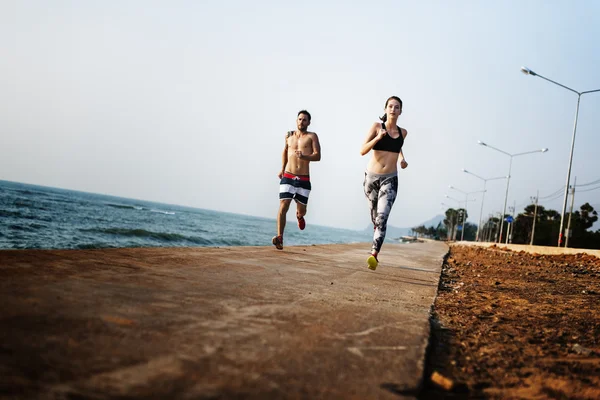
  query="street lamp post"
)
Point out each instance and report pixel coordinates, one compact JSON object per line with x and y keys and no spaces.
{"x":537,"y":196}
{"x":509,"y":227}
{"x":464,"y":220}
{"x":508,"y":177}
{"x":482,"y":197}
{"x":527,"y":71}
{"x":492,"y":228}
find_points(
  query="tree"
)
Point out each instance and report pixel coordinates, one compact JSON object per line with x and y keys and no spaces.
{"x":581,"y":221}
{"x":489,"y":230}
{"x":470,"y":231}
{"x":523,"y":224}
{"x":441,"y":232}
{"x":546,"y":226}
{"x":453,"y":219}
{"x":587,"y":216}
{"x":420,"y":230}
{"x":431,"y":232}
{"x":450,"y":223}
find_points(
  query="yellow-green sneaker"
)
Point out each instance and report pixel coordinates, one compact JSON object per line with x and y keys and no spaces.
{"x":372,"y":262}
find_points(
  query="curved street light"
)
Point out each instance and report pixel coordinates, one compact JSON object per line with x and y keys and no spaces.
{"x":462,"y":231}
{"x":527,"y":71}
{"x":483,"y":196}
{"x":543,"y":150}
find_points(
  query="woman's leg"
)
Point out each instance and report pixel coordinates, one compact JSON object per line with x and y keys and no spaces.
{"x":371,"y":186}
{"x":386,"y":197}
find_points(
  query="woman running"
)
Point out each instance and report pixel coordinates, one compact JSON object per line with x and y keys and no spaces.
{"x":385,"y":138}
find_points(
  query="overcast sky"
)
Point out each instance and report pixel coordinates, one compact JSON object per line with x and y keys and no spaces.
{"x":187,"y":102}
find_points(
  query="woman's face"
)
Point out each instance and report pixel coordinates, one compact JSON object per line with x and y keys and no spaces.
{"x":393,"y":108}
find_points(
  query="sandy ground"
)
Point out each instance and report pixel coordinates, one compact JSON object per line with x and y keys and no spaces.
{"x":516,"y":325}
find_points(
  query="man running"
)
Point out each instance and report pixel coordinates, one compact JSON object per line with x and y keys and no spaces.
{"x":301,"y":147}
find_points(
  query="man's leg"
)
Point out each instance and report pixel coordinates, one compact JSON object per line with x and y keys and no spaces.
{"x":284,"y":206}
{"x":300,"y":213}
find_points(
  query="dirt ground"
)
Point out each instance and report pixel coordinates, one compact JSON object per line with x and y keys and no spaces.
{"x":513,"y":325}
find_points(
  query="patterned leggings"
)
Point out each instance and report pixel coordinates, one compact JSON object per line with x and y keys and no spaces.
{"x":381,"y":190}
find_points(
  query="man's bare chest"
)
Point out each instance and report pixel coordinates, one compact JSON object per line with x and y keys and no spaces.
{"x":299,"y":143}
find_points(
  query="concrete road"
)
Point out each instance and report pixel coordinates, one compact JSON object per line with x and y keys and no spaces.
{"x":216,"y":323}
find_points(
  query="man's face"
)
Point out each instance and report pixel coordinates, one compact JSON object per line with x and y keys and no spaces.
{"x":302,"y":122}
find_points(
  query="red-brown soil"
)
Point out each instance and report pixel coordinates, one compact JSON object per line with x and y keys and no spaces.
{"x":513,"y":325}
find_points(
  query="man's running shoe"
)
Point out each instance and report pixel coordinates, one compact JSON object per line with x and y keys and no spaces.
{"x":278,"y":242}
{"x":301,"y":223}
{"x":372,"y":262}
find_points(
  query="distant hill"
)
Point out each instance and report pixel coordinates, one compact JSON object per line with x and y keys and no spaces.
{"x":433,"y":221}
{"x":394,"y":232}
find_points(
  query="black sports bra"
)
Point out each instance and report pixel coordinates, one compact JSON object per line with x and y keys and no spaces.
{"x":387,"y":143}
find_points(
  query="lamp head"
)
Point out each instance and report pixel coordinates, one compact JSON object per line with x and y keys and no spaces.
{"x":544,"y":150}
{"x":527,"y":71}
{"x":481,"y":143}
{"x":464,"y":170}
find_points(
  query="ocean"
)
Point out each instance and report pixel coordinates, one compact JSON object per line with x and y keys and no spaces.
{"x":37,"y":217}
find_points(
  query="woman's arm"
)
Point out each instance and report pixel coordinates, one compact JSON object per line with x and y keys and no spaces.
{"x":403,"y":163}
{"x":375,"y":134}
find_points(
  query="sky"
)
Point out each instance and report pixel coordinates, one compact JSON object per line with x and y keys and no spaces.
{"x":188,"y":102}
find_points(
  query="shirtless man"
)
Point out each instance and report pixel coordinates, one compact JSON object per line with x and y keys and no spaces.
{"x":301,"y":147}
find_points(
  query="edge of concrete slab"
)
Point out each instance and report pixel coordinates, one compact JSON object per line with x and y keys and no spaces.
{"x":548,"y":250}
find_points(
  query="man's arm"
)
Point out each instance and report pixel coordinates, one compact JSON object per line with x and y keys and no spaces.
{"x":284,"y":157}
{"x":316,"y":150}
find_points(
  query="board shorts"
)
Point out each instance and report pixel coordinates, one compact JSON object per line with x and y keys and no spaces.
{"x":295,"y":187}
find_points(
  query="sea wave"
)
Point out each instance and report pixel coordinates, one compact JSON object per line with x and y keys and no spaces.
{"x":27,"y":227}
{"x":124,"y":206}
{"x":231,"y":242}
{"x":28,"y":204}
{"x":91,"y":246}
{"x":139,"y":208}
{"x":17,"y":214}
{"x":27,"y":192}
{"x":145,"y":234}
{"x":6,"y":213}
{"x":163,"y":212}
